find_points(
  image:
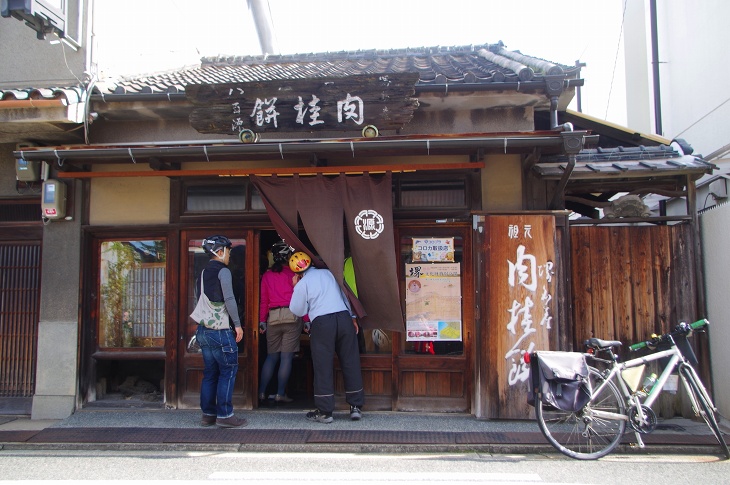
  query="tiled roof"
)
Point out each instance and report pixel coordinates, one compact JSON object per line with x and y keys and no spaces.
{"x":660,"y":160}
{"x":71,"y":95}
{"x":480,"y":64}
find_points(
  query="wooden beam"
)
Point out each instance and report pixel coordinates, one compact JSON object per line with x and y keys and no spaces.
{"x":286,"y":171}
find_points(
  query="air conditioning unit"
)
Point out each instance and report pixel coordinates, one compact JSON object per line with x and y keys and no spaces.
{"x":718,"y":188}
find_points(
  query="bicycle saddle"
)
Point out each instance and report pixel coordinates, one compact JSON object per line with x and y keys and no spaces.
{"x":598,"y":344}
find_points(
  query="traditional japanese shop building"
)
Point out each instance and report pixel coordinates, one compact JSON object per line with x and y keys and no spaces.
{"x":484,"y":220}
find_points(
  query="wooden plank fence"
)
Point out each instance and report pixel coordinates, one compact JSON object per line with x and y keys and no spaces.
{"x":629,"y":282}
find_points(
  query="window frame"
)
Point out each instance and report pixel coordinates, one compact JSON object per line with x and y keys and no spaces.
{"x":178,"y":202}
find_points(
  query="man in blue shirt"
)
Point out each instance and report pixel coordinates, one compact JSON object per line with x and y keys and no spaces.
{"x":333,"y":330}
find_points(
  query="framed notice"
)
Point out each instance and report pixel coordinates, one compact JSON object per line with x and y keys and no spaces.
{"x":433,"y":302}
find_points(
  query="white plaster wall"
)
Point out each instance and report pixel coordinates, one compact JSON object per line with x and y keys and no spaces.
{"x":714,"y":226}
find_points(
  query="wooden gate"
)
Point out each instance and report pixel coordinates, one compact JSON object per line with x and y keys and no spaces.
{"x":19,"y":307}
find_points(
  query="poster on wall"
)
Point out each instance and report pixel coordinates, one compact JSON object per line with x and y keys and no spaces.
{"x":433,"y":302}
{"x":433,"y":249}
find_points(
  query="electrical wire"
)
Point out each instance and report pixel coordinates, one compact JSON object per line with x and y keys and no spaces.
{"x":65,"y":61}
{"x":615,"y":60}
{"x":705,"y":116}
{"x":704,"y":204}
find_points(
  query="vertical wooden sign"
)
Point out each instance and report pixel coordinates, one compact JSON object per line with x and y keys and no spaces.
{"x":522,"y":288}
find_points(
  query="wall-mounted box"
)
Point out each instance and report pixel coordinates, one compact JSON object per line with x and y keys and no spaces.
{"x":53,"y":202}
{"x":27,"y":171}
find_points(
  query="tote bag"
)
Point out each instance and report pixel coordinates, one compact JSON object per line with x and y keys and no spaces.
{"x":209,"y":314}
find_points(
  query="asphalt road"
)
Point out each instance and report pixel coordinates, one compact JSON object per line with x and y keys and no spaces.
{"x":355,"y":469}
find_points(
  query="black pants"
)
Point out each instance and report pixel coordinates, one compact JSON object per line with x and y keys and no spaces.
{"x":330,"y":334}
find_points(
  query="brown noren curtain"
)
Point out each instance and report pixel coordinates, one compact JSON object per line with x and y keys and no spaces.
{"x":364,"y":203}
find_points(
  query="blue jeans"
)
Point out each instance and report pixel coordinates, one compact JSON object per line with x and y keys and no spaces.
{"x":220,"y":356}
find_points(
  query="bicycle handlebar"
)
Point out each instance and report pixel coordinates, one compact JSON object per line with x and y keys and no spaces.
{"x":682,"y":328}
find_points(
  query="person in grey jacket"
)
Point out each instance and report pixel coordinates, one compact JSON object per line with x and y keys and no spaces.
{"x":333,"y":330}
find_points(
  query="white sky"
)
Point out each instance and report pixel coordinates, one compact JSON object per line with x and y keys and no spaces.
{"x":153,"y":36}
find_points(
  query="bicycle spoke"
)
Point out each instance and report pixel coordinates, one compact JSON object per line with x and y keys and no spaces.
{"x":583,"y":435}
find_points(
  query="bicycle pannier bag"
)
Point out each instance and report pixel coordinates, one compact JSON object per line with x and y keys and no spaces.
{"x":560,"y":379}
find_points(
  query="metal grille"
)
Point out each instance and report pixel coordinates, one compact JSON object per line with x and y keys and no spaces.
{"x":19,"y":308}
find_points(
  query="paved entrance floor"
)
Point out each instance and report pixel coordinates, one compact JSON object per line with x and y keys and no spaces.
{"x":286,"y":430}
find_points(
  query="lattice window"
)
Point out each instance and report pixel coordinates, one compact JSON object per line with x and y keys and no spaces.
{"x":19,"y":307}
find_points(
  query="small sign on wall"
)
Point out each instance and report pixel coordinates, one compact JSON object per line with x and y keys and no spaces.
{"x":433,"y":250}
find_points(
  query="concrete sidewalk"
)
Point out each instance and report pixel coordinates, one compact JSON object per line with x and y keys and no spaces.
{"x":288,"y":431}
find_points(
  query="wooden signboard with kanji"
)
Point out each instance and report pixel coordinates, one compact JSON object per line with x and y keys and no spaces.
{"x":522,"y":301}
{"x":315,"y":104}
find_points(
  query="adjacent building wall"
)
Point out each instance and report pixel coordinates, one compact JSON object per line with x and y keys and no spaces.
{"x":26,"y":61}
{"x":713,"y":226}
{"x":694,"y":101}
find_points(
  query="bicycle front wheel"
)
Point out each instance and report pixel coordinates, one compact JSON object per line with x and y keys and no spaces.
{"x":583,"y":435}
{"x":705,"y":408}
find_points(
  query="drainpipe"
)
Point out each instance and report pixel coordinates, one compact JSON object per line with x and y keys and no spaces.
{"x":655,"y":69}
{"x":573,"y":143}
{"x":261,"y":14}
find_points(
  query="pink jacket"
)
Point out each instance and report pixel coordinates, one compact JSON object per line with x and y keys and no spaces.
{"x":276,"y":290}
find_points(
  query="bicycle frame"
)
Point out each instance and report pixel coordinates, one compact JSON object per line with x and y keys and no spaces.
{"x":618,"y":367}
{"x":616,"y":400}
{"x":633,"y":398}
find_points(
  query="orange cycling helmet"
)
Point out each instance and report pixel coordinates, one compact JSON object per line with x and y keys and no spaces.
{"x":299,"y":262}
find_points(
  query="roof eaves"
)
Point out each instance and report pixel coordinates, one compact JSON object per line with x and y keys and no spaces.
{"x":629,"y":132}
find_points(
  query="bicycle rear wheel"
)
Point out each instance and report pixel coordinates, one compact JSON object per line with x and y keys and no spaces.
{"x":706,"y":409}
{"x":582,"y":435}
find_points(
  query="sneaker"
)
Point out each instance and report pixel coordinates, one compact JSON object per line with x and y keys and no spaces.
{"x":319,"y":416}
{"x":282,"y":398}
{"x":231,"y":422}
{"x":262,"y":397}
{"x":355,"y":413}
{"x":207,"y":420}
